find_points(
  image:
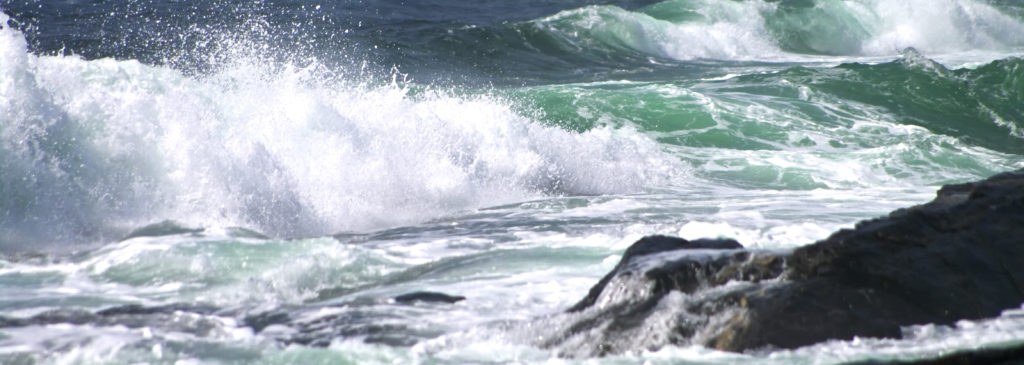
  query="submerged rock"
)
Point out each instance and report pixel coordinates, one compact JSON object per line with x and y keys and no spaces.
{"x":429,"y":297}
{"x":164,"y":228}
{"x":960,"y":256}
{"x":197,"y":319}
{"x":373,"y":320}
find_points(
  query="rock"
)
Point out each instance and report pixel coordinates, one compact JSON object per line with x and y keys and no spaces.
{"x":140,"y":310}
{"x":164,"y":228}
{"x":960,"y":256}
{"x":180,"y":317}
{"x":640,"y":304}
{"x":426,"y":296}
{"x":260,"y":321}
{"x":647,"y":246}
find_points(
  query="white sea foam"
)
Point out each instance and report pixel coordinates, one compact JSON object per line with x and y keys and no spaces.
{"x":90,"y":148}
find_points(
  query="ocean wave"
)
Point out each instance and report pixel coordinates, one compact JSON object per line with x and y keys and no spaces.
{"x":92,"y":148}
{"x":911,"y":120}
{"x":786,"y":30}
{"x":681,"y":30}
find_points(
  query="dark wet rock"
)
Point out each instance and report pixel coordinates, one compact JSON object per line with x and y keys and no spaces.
{"x":55,"y":316}
{"x":664,"y":290}
{"x":12,"y":322}
{"x":429,"y":297}
{"x":164,"y":228}
{"x":138,"y":309}
{"x":370,"y":319}
{"x":648,"y":246}
{"x":371,"y":324}
{"x":260,"y":321}
{"x":186,"y":318}
{"x":960,"y":256}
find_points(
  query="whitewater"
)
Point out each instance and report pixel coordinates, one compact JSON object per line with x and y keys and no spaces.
{"x":256,"y":182}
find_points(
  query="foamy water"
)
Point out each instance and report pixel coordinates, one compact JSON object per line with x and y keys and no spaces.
{"x":308,"y":195}
{"x":280,"y":152}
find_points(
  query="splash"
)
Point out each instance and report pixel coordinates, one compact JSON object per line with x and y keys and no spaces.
{"x":91,"y":148}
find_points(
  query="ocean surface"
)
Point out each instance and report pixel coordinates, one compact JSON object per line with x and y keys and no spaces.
{"x":253,"y":182}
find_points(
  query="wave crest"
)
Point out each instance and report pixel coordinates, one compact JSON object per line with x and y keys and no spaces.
{"x":96,"y":147}
{"x":761,"y":30}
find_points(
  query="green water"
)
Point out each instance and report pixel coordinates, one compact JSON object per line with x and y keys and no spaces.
{"x":239,"y":183}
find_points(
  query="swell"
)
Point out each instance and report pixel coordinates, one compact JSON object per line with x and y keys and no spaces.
{"x":875,"y":28}
{"x":681,"y":36}
{"x":514,"y":44}
{"x":978,"y":106}
{"x":908,"y":121}
{"x":435,"y":40}
{"x":605,"y":38}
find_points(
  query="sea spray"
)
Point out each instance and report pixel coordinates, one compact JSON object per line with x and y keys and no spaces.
{"x":93,"y":147}
{"x":505,"y":152}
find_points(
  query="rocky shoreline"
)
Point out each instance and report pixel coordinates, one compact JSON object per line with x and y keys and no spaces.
{"x":960,"y":256}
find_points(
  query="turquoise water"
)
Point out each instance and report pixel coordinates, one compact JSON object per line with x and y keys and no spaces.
{"x":254,"y":182}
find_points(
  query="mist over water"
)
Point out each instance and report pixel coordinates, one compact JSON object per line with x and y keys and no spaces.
{"x":311,"y":161}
